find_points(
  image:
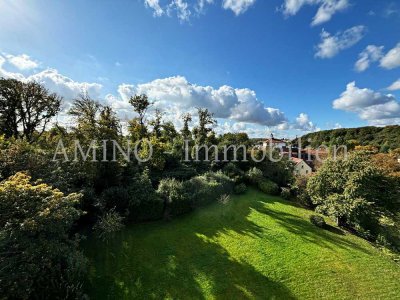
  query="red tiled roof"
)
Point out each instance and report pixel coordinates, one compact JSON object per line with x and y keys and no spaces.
{"x":296,"y":160}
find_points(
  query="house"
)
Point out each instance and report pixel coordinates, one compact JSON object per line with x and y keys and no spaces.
{"x":274,"y":143}
{"x":300,"y":167}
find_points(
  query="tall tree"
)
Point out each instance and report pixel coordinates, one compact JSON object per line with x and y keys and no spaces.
{"x":156,"y":123}
{"x":206,"y":119}
{"x":140,"y":105}
{"x":85,"y":110}
{"x":26,"y":108}
{"x":187,"y":118}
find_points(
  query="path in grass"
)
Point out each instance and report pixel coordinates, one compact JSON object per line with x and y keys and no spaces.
{"x":255,"y":247}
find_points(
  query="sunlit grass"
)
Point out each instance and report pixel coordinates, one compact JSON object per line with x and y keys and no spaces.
{"x":254,"y":247}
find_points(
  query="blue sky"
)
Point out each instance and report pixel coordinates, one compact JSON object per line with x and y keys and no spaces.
{"x":285,"y":66}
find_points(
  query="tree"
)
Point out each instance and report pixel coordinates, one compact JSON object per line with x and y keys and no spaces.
{"x":206,"y":119}
{"x":26,"y":106}
{"x":140,"y":105}
{"x":347,"y":188}
{"x":186,"y":134}
{"x":38,"y":260}
{"x":156,"y":123}
{"x":85,"y":110}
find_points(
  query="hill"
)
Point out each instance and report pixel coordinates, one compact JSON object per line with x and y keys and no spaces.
{"x":384,"y":138}
{"x":254,"y":247}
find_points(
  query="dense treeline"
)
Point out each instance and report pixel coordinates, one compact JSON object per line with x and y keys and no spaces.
{"x":382,"y":138}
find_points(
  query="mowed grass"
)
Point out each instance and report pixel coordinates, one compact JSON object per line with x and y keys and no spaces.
{"x":254,"y":247}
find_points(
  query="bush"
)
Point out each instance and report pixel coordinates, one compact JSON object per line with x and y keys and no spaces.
{"x":268,"y":187}
{"x":286,"y":194}
{"x":108,"y":225}
{"x":37,"y":257}
{"x":208,"y":188}
{"x":299,"y":190}
{"x":116,"y":198}
{"x":176,"y":198}
{"x":240,"y":189}
{"x":255,"y":176}
{"x":144,"y":203}
{"x":234,"y":172}
{"x":317,"y":221}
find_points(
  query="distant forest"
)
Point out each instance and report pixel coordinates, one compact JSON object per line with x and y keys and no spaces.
{"x":383,"y":138}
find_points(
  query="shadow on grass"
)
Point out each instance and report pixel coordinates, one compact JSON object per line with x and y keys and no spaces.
{"x":179,"y":259}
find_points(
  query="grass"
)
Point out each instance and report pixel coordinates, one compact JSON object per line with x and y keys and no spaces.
{"x":254,"y":247}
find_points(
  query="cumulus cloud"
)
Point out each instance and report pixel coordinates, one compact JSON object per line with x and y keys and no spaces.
{"x":368,"y":104}
{"x":173,"y":93}
{"x":238,"y":6}
{"x":394,"y":86}
{"x":304,"y":123}
{"x":22,"y":62}
{"x":392,"y":59}
{"x":54,"y":81}
{"x":331,"y":45}
{"x":370,"y":54}
{"x":326,"y":9}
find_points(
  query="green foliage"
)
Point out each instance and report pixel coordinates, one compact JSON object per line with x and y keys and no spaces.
{"x":209,"y":187}
{"x":383,"y":138}
{"x":269,"y":187}
{"x":299,"y":190}
{"x":234,"y":172}
{"x":144,"y":203}
{"x":37,"y":258}
{"x":26,"y":108}
{"x":239,"y":189}
{"x":318,"y":221}
{"x":176,"y":197}
{"x":108,"y":225}
{"x":350,"y":190}
{"x":255,"y":176}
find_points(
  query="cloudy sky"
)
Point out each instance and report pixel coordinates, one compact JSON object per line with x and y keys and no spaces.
{"x":286,"y":66}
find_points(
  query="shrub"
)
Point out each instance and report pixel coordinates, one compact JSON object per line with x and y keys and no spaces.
{"x":176,"y":199}
{"x":234,"y":172}
{"x":299,"y":190}
{"x":255,"y":175}
{"x":317,"y":221}
{"x":144,"y":203}
{"x":240,"y":189}
{"x":108,"y":225}
{"x":208,"y":187}
{"x":268,"y":187}
{"x":116,"y":198}
{"x":286,"y":194}
{"x":37,"y":257}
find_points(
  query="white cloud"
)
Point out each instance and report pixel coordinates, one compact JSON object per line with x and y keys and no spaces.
{"x":331,"y":45}
{"x":186,"y":9}
{"x":327,"y":8}
{"x":182,"y":10}
{"x":22,"y":62}
{"x":368,"y":104}
{"x":304,"y":123}
{"x":370,"y":54}
{"x":392,"y":59}
{"x":55,"y":82}
{"x":155,"y":5}
{"x":394,"y":86}
{"x":227,"y":102}
{"x":238,"y":6}
{"x":65,"y":86}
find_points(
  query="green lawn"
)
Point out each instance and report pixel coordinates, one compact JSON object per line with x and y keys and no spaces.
{"x":255,"y":247}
